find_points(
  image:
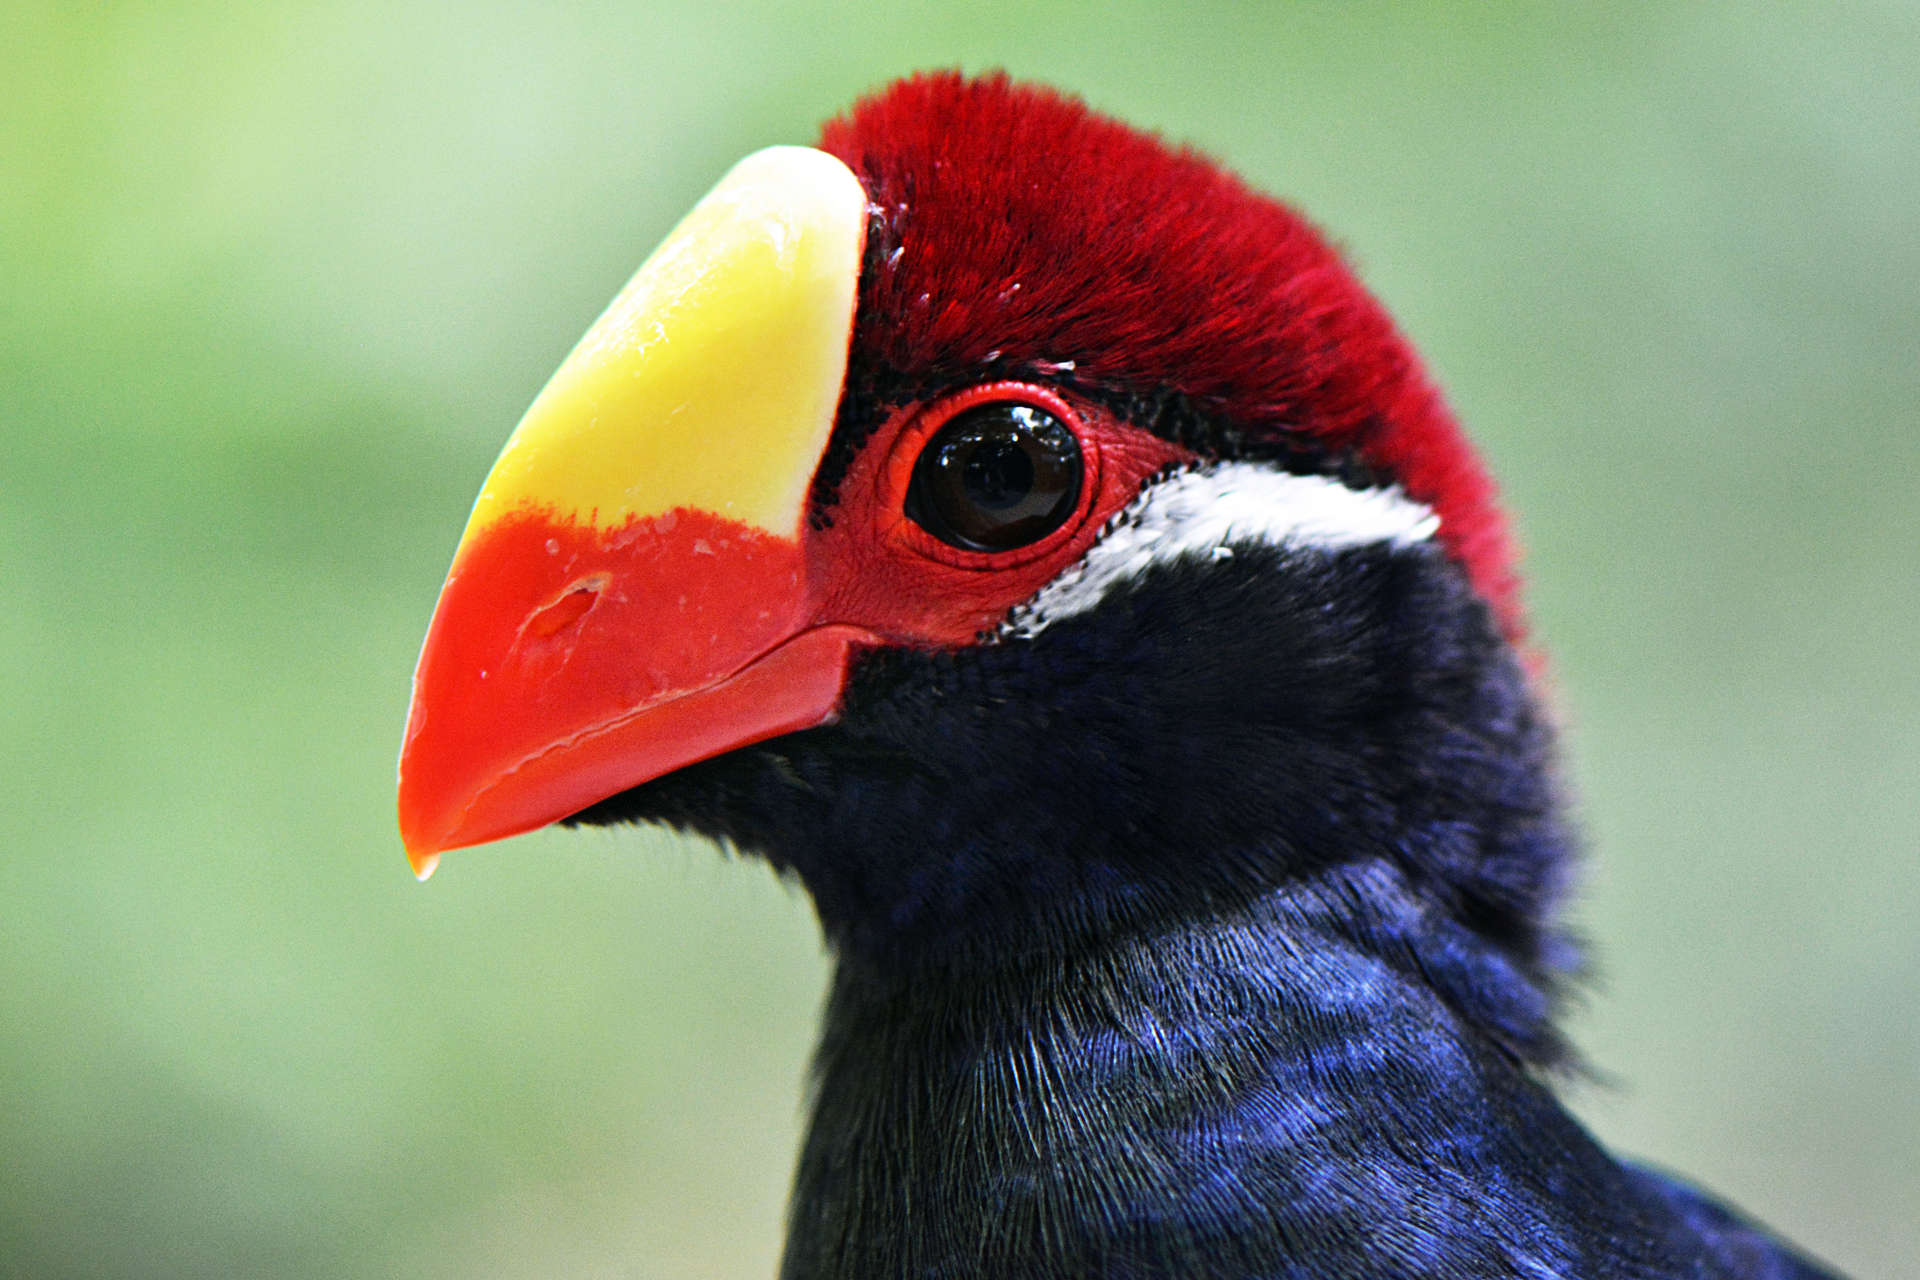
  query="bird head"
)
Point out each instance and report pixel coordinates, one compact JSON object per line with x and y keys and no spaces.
{"x":1011,"y":525}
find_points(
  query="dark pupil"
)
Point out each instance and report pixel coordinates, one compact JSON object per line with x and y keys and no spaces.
{"x":998,"y":474}
{"x":996,"y":477}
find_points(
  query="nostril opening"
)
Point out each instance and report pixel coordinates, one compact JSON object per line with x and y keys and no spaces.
{"x":572,"y":605}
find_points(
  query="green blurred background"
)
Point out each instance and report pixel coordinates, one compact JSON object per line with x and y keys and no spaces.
{"x":275,"y":282}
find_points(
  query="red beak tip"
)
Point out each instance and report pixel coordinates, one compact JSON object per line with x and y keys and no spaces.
{"x":423,"y":853}
{"x":421,"y":839}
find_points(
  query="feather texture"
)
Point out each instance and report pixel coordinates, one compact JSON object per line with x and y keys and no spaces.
{"x":1201,"y":920}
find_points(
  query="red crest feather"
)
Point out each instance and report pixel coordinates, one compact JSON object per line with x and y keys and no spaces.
{"x":1023,"y":228}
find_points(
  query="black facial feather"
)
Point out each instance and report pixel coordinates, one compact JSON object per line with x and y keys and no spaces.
{"x":1204,"y":736}
{"x":1207,"y":928}
{"x":1206,"y":933}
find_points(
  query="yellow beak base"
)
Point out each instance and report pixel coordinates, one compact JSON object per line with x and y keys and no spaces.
{"x":638,"y":540}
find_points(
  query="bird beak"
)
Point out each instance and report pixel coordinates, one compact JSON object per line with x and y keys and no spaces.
{"x":630,"y":595}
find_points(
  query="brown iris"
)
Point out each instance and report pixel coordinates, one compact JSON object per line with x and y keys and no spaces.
{"x":998,"y":476}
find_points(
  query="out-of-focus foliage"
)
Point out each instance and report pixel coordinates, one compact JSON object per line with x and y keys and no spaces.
{"x":275,"y":281}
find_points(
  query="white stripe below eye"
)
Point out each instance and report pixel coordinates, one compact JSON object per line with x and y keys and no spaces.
{"x":1204,"y":512}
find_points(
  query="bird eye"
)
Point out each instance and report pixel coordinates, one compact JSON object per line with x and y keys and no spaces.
{"x":998,"y":476}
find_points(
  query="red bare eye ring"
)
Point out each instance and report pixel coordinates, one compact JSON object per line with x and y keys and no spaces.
{"x":1000,"y":467}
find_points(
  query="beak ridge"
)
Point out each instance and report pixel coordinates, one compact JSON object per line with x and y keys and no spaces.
{"x":631,"y":592}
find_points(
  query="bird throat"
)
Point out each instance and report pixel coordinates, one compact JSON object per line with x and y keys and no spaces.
{"x":1220,"y":1097}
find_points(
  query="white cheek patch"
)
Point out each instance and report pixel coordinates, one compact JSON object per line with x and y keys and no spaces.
{"x":1202,"y":513}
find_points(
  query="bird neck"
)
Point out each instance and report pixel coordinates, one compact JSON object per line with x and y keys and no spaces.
{"x":1105,"y":797}
{"x":1179,"y":1092}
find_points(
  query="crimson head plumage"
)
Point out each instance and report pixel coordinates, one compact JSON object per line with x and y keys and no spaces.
{"x":1041,"y":547}
{"x":953,"y":248}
